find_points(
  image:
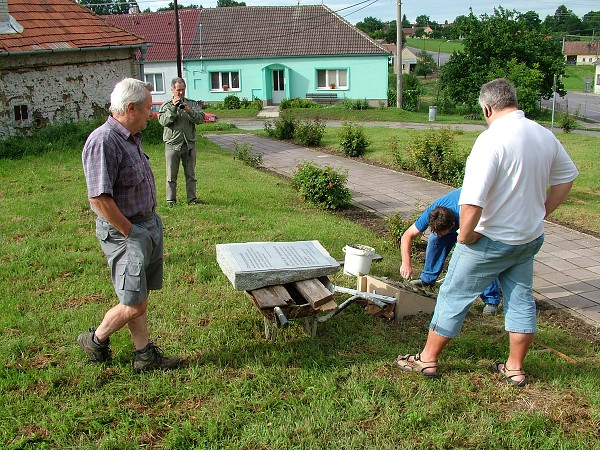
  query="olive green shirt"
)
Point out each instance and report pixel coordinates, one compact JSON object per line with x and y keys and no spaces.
{"x":180,"y":126}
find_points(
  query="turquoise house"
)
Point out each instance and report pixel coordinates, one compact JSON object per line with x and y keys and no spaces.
{"x":276,"y":52}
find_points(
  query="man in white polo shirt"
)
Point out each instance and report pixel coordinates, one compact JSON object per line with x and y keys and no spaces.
{"x":516,"y":175}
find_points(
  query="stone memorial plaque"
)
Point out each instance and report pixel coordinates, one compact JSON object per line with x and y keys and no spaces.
{"x":253,"y":265}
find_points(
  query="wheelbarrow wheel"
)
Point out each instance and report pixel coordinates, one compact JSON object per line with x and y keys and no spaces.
{"x":270,"y":329}
{"x":310,"y":325}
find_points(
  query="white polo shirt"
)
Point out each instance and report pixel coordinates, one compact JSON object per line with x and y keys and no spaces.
{"x":508,"y":172}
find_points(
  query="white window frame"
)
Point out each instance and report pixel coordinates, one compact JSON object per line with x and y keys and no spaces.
{"x":225,"y":77}
{"x":152,"y":76}
{"x":332,"y":76}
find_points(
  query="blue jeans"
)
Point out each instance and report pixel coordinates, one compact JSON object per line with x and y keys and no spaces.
{"x":438,"y":249}
{"x":473,"y":267}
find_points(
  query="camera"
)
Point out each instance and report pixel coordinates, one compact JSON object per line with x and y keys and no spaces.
{"x":181,"y":105}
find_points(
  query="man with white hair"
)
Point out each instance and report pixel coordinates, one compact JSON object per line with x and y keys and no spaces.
{"x":122,"y":193}
{"x":516,"y":175}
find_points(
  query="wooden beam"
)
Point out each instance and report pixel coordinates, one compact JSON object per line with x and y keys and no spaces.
{"x":314,"y":292}
{"x":271,"y":296}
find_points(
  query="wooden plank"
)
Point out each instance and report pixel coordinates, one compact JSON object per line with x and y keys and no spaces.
{"x":271,"y":296}
{"x":314,"y":292}
{"x":407,"y":303}
{"x":327,"y":306}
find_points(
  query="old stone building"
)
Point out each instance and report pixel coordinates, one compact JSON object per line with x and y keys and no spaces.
{"x":59,"y":62}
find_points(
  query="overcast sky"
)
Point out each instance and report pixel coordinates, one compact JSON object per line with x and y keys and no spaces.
{"x":385,"y":10}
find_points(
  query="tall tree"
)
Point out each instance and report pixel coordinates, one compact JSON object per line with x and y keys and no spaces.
{"x":370,"y":25}
{"x":504,"y":44}
{"x":591,"y":23}
{"x":224,"y":3}
{"x":564,"y":21}
{"x":171,"y":7}
{"x":422,"y":20}
{"x":107,"y":7}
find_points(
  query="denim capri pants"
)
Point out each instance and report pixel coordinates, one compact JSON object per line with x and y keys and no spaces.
{"x":135,"y":261}
{"x":472,"y":268}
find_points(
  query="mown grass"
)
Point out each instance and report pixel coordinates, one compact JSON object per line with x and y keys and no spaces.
{"x":236,"y":390}
{"x":435,"y":45}
{"x":574,"y":79}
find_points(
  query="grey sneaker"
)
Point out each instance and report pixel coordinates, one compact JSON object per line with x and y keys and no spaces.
{"x":152,"y":357}
{"x":490,"y":310}
{"x":98,"y":353}
{"x":171,"y":203}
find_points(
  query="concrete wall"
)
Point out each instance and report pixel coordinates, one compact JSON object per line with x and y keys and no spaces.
{"x":367,"y":77}
{"x":58,"y":86}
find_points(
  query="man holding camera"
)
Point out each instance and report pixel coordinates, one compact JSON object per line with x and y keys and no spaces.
{"x":179,"y":116}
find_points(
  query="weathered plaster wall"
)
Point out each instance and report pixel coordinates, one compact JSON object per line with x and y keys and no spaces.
{"x":55,"y":87}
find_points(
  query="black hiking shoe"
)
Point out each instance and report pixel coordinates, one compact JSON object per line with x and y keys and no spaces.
{"x":98,"y":353}
{"x":151,"y":357}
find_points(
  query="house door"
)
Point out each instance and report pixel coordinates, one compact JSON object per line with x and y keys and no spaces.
{"x":278,"y":93}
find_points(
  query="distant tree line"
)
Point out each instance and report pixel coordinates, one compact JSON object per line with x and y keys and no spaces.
{"x":108,"y":7}
{"x":563,"y":21}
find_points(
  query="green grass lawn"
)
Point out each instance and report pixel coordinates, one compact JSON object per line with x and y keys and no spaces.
{"x":237,"y":390}
{"x":435,"y":45}
{"x":574,"y":79}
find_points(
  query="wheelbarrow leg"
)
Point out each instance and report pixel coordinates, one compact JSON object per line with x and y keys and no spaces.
{"x":270,"y":330}
{"x":310,"y":325}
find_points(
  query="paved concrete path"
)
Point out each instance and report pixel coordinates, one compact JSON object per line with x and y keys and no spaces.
{"x":567,"y":269}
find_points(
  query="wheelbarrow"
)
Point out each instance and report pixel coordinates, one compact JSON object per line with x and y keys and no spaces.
{"x":282,"y":303}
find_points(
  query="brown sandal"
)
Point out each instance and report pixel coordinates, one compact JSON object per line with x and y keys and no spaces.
{"x":416,"y":365}
{"x":509,"y":374}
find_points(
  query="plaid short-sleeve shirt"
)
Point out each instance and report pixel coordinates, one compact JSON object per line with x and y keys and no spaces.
{"x":114,"y":163}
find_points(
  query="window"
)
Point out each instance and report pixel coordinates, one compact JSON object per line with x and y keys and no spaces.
{"x":21,"y":112}
{"x":223,"y":81}
{"x":157,"y":81}
{"x":332,"y":78}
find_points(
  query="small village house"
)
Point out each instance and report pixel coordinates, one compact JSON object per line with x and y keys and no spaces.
{"x":581,"y":53}
{"x":268,"y":53}
{"x":59,"y":62}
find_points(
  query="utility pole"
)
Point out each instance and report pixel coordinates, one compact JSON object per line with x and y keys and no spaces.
{"x":399,"y":55}
{"x":177,"y":39}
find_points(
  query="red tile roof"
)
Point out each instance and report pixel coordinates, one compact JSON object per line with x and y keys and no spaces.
{"x":159,"y":31}
{"x":582,"y":48}
{"x":60,"y":24}
{"x":268,"y":31}
{"x":247,"y":32}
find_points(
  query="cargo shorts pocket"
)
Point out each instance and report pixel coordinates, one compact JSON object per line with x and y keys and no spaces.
{"x":128,"y":275}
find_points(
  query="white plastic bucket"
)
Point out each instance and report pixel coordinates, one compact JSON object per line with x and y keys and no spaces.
{"x":358,"y":259}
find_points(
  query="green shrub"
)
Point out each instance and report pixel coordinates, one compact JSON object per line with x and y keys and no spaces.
{"x":437,"y":156}
{"x":245,"y":103}
{"x":257,"y":104}
{"x":397,"y":226}
{"x":297,"y":102}
{"x":60,"y":136}
{"x":231,"y":102}
{"x":310,"y":133}
{"x":354,"y":141}
{"x":283,"y":127}
{"x":324,"y":187}
{"x":245,"y":153}
{"x":348,"y":103}
{"x":566,"y":122}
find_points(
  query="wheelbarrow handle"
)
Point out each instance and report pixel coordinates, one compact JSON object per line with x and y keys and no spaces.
{"x":283,"y":321}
